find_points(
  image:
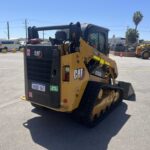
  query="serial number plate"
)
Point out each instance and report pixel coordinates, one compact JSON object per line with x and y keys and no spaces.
{"x":38,"y":87}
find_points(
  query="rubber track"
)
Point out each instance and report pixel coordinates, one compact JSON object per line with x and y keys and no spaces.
{"x":82,"y":114}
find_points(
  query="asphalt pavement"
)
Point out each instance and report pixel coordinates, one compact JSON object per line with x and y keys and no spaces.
{"x":23,"y":127}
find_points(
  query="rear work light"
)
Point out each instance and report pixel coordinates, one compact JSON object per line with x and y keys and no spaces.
{"x":66,"y":73}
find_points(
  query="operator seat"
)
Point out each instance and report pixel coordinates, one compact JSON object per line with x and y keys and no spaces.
{"x":60,"y":37}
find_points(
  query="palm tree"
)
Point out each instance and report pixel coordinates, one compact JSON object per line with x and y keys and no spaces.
{"x":137,"y":18}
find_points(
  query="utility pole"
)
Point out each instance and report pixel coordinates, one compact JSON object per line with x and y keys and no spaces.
{"x":26,"y":28}
{"x":8,"y":34}
{"x":125,"y":36}
{"x":43,"y":35}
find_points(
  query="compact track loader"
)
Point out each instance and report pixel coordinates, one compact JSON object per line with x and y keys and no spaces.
{"x":143,"y":51}
{"x":72,"y":72}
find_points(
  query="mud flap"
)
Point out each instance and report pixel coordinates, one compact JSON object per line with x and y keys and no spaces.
{"x":128,"y":91}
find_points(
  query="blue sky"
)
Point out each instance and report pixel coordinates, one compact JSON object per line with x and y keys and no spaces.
{"x":113,"y":14}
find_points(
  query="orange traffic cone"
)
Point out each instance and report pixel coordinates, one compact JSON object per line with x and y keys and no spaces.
{"x":121,"y":54}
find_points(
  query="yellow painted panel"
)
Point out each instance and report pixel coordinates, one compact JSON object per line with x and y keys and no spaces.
{"x":73,"y":90}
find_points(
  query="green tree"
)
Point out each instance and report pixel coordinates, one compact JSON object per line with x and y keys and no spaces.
{"x":137,"y":18}
{"x":131,"y":36}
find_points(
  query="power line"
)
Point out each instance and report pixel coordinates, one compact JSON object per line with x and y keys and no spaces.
{"x":12,"y":20}
{"x":22,"y":26}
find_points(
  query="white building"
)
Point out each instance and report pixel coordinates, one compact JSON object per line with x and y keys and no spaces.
{"x":117,"y":40}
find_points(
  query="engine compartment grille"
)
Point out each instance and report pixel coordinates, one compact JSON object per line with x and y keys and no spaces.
{"x":39,"y":70}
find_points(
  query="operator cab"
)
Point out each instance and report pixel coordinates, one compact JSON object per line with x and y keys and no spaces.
{"x":95,"y":36}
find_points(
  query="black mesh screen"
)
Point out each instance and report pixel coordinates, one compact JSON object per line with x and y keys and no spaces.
{"x":39,"y":70}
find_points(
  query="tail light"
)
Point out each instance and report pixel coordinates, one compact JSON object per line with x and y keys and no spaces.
{"x":66,"y":73}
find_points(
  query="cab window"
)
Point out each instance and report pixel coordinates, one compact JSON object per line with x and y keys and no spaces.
{"x":97,"y":40}
{"x":101,"y":42}
{"x":93,"y":40}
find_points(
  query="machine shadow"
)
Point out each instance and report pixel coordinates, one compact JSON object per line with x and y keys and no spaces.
{"x":57,"y":131}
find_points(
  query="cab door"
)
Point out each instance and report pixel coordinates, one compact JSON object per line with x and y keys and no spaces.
{"x":97,"y":38}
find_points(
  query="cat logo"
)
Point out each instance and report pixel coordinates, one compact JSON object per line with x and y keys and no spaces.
{"x":38,"y":54}
{"x":79,"y":73}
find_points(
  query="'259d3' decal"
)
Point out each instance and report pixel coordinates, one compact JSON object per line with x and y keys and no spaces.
{"x":79,"y":73}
